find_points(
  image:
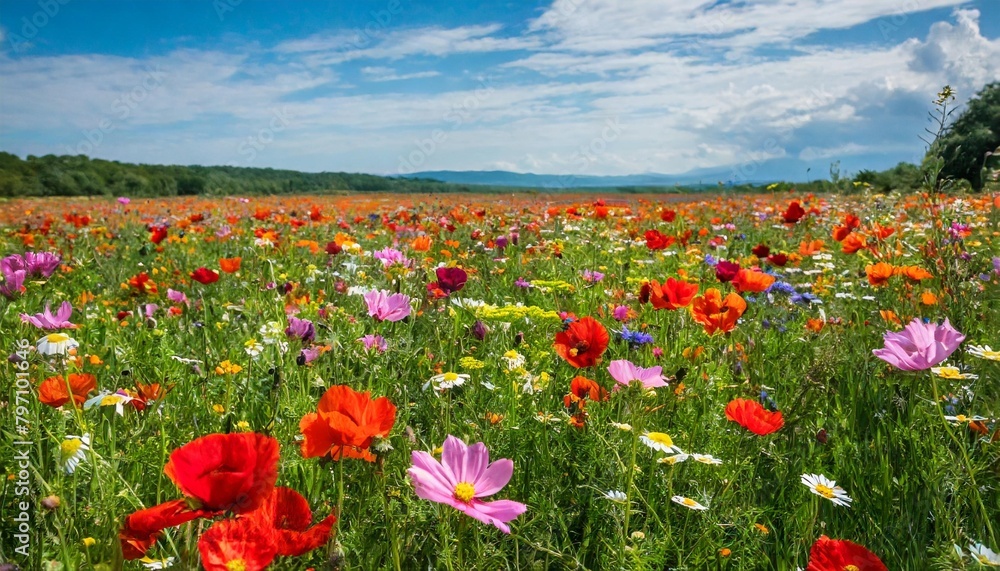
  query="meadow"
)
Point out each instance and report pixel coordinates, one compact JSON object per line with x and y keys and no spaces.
{"x":768,"y":381}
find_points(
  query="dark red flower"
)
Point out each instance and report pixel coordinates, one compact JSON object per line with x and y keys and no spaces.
{"x":751,"y":415}
{"x":333,"y":248}
{"x":839,"y":554}
{"x":226,"y":472}
{"x":205,"y":276}
{"x":668,"y":215}
{"x":449,"y":280}
{"x":761,"y":251}
{"x":725,"y":270}
{"x":794,"y":213}
{"x":778,"y":259}
{"x":582,"y":343}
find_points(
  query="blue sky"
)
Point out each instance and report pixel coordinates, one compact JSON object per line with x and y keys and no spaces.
{"x":557,"y":86}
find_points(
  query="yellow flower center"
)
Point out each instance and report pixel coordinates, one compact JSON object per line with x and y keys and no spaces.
{"x":110,"y":400}
{"x":851,"y":568}
{"x":574,"y":352}
{"x":961,"y":418}
{"x":824,"y":491}
{"x":512,"y":354}
{"x":660,"y":438}
{"x":236,"y":565}
{"x":464,"y":492}
{"x":690,"y":503}
{"x":70,"y":447}
{"x":57,"y":337}
{"x":450,"y":377}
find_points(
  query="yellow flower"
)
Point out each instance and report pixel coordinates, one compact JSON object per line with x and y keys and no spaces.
{"x":89,"y":541}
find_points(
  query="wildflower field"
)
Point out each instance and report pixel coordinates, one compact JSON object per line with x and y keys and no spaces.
{"x":772,"y":381}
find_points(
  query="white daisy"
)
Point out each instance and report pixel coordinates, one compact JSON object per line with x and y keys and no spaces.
{"x":827,"y":488}
{"x":56,"y":344}
{"x":983,"y":352}
{"x":616,"y":496}
{"x":106,"y":398}
{"x":984,"y":555}
{"x":659,"y":441}
{"x":675,"y":459}
{"x":253,"y":348}
{"x":961,"y":418}
{"x":71,"y":451}
{"x":446,"y":381}
{"x":513,"y":359}
{"x":688,"y":503}
{"x":706,"y":459}
{"x":165,"y":563}
{"x":953,"y":373}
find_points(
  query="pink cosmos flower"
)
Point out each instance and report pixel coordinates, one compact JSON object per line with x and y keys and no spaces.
{"x":626,"y":372}
{"x":919,"y":345}
{"x":390,"y":256}
{"x":42,"y":264}
{"x":46,"y":320}
{"x":13,"y":282}
{"x":376,"y":342}
{"x":387,"y":307}
{"x":176,"y":296}
{"x":464,"y":476}
{"x":620,"y":313}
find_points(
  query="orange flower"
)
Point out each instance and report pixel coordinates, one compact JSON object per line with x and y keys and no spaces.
{"x":230,"y":265}
{"x":852,"y":243}
{"x":928,"y":298}
{"x":808,"y":248}
{"x":142,"y":284}
{"x":421,"y":243}
{"x":879,"y":274}
{"x":673,"y":294}
{"x":815,"y":325}
{"x":53,"y":391}
{"x":751,"y":415}
{"x":345,"y":424}
{"x":749,"y":280}
{"x":717,"y":313}
{"x":889,"y":316}
{"x":581,"y":389}
{"x":582,"y":343}
{"x":913,"y":273}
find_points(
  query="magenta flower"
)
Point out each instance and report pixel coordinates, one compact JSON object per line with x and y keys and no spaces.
{"x":376,"y":342}
{"x":387,"y":307}
{"x":626,"y":372}
{"x":176,"y":296}
{"x":13,"y":283}
{"x":620,"y":313}
{"x":41,"y":264}
{"x":464,"y":476}
{"x":302,"y":329}
{"x":449,"y":280}
{"x":390,"y":256}
{"x":919,"y":345}
{"x":46,"y":320}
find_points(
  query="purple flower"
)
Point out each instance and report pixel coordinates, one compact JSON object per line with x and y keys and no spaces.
{"x":592,"y":276}
{"x":307,"y":355}
{"x":42,"y":264}
{"x":464,"y":476}
{"x":301,"y":328}
{"x":150,"y":309}
{"x":176,"y":296}
{"x":387,"y":307}
{"x":479,"y":330}
{"x":919,"y":345}
{"x":626,"y":372}
{"x":522,"y":283}
{"x":13,"y":283}
{"x":124,"y":200}
{"x":376,"y":342}
{"x":390,"y":256}
{"x":501,"y":243}
{"x":620,"y":313}
{"x":996,"y":265}
{"x":46,"y":320}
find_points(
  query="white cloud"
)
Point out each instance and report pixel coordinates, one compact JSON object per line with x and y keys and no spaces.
{"x":379,"y":73}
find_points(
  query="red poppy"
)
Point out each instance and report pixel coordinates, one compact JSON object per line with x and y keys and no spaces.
{"x":345,"y":424}
{"x":53,"y":390}
{"x":794,"y":213}
{"x":761,"y":251}
{"x":657,"y":241}
{"x":226,"y":472}
{"x":752,"y":416}
{"x":582,"y":388}
{"x":716,"y":313}
{"x":673,"y":294}
{"x":582,"y":343}
{"x":237,"y":544}
{"x":839,"y":554}
{"x":778,"y":259}
{"x":287,"y":514}
{"x":725,"y":270}
{"x":157,"y":234}
{"x":205,"y":276}
{"x":142,"y":284}
{"x":668,"y":215}
{"x":449,"y":280}
{"x":333,"y":248}
{"x":142,"y":528}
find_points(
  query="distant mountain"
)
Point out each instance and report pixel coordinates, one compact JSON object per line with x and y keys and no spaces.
{"x":749,"y":172}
